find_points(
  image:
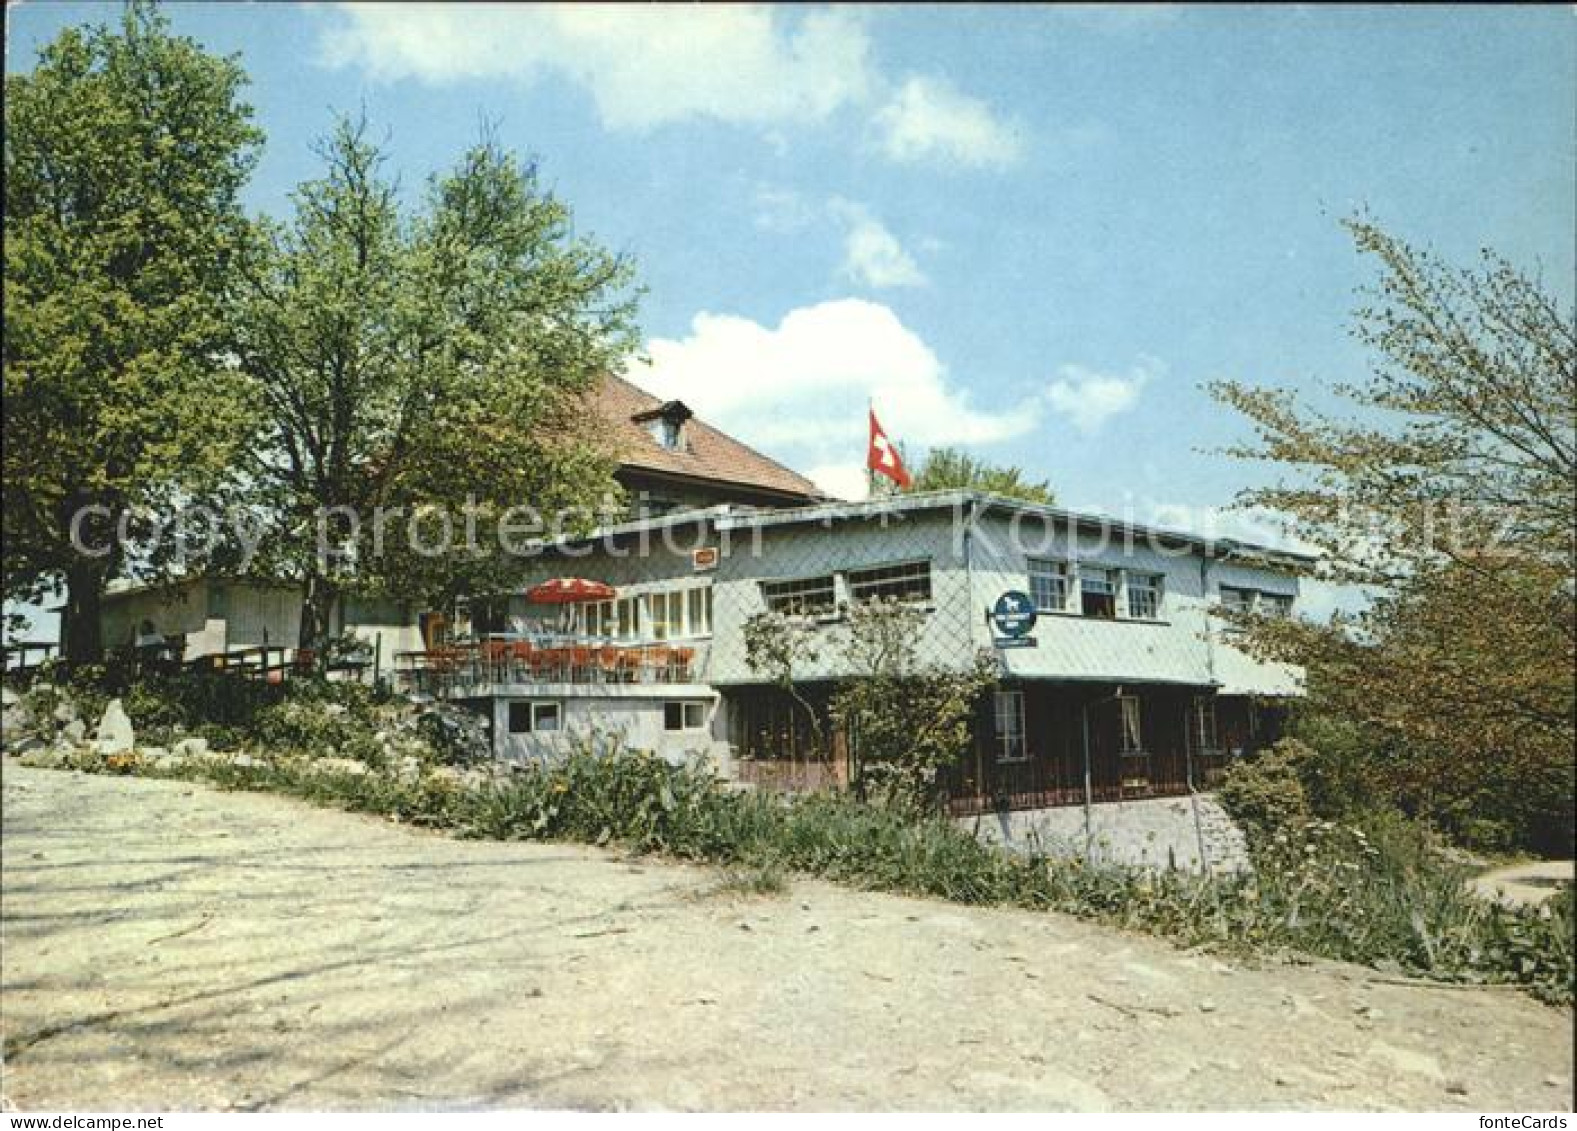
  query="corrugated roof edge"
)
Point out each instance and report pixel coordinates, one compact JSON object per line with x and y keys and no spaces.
{"x":729,"y":518}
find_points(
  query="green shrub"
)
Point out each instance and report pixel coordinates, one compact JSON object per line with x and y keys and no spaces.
{"x":1264,"y":792}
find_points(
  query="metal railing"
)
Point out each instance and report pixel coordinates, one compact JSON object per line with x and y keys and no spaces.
{"x":450,"y":670}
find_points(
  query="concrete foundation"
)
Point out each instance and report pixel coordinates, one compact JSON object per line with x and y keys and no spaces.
{"x":1154,"y":833}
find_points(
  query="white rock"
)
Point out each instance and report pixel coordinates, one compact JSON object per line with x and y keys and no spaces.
{"x":153,"y":753}
{"x":76,"y":731}
{"x":66,"y":712}
{"x":115,"y":735}
{"x":190,"y":748}
{"x":339,"y":766}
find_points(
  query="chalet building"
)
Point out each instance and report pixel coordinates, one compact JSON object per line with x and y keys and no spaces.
{"x":1120,"y":678}
{"x":1127,"y":685}
{"x":669,"y":459}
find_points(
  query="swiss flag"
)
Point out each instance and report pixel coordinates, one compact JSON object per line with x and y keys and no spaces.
{"x":882,"y":457}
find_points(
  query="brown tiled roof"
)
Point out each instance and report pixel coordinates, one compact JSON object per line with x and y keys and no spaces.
{"x":707,"y":453}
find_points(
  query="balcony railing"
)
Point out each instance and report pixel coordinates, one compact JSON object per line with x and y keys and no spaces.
{"x":459,"y":669}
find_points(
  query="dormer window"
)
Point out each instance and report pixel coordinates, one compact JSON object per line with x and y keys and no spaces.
{"x":667,"y":432}
{"x":666,"y":424}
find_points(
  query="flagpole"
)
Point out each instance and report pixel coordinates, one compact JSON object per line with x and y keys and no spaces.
{"x":870,"y":472}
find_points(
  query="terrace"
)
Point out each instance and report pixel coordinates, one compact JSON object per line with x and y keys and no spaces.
{"x":468,"y":669}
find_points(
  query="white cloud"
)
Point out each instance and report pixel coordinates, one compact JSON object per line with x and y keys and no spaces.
{"x":644,"y":66}
{"x":799,"y":389}
{"x":927,"y":118}
{"x":846,"y":480}
{"x":650,"y":65}
{"x":1089,"y":398}
{"x":872,"y":255}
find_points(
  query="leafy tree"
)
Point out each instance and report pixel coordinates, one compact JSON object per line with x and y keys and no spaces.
{"x":1452,"y":499}
{"x":125,"y":153}
{"x":946,"y":468}
{"x":906,"y":721}
{"x":432,"y":365}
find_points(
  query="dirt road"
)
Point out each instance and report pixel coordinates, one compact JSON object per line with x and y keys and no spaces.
{"x":169,"y":946}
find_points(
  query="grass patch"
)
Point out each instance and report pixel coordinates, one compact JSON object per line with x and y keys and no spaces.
{"x":764,"y":879}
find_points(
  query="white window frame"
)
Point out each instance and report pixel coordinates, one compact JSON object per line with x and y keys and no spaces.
{"x":1007,"y":706}
{"x":1206,"y":738}
{"x":1139,"y":584}
{"x":863,"y":581}
{"x":791,"y":601}
{"x":1275,"y":605}
{"x":1243,"y":599}
{"x":689,"y":709}
{"x":1113,"y":581}
{"x":1056,"y":577}
{"x":535,"y":709}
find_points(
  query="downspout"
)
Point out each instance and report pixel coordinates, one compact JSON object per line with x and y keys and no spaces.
{"x":969,"y":588}
{"x":1188,"y":743}
{"x":1084,"y":720}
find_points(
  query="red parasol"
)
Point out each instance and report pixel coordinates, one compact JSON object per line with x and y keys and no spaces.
{"x":568,"y":591}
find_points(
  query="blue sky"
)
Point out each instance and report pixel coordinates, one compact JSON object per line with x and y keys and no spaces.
{"x":1032,"y":231}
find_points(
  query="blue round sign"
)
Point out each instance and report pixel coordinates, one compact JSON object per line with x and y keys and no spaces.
{"x":1013,"y":614}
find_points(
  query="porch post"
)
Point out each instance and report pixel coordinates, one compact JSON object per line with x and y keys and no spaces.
{"x":1084,"y":720}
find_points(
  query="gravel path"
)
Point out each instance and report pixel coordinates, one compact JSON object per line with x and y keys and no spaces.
{"x":170,"y":946}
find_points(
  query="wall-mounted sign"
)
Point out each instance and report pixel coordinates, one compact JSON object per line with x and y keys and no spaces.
{"x":704,"y":558}
{"x":1013,"y":616}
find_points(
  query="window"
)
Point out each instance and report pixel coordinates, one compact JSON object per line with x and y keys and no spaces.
{"x":665,"y":615}
{"x":1277,"y":605}
{"x":1048,"y":585}
{"x":1129,"y":738}
{"x":684,"y":716}
{"x":1098,"y":592}
{"x":667,"y":431}
{"x":533,"y":718}
{"x":1009,"y":713}
{"x":1144,"y":596}
{"x":803,"y":597}
{"x":908,"y":582}
{"x":698,"y":610}
{"x":1235,"y":600}
{"x":1202,"y":723}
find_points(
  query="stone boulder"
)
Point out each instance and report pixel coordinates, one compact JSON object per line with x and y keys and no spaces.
{"x":75,"y":732}
{"x":16,"y":721}
{"x":115,"y":734}
{"x":194,"y":747}
{"x":350,"y":766}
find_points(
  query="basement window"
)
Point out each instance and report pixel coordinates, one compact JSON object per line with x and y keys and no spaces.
{"x":679,"y":715}
{"x":1098,"y":593}
{"x":534,"y":718}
